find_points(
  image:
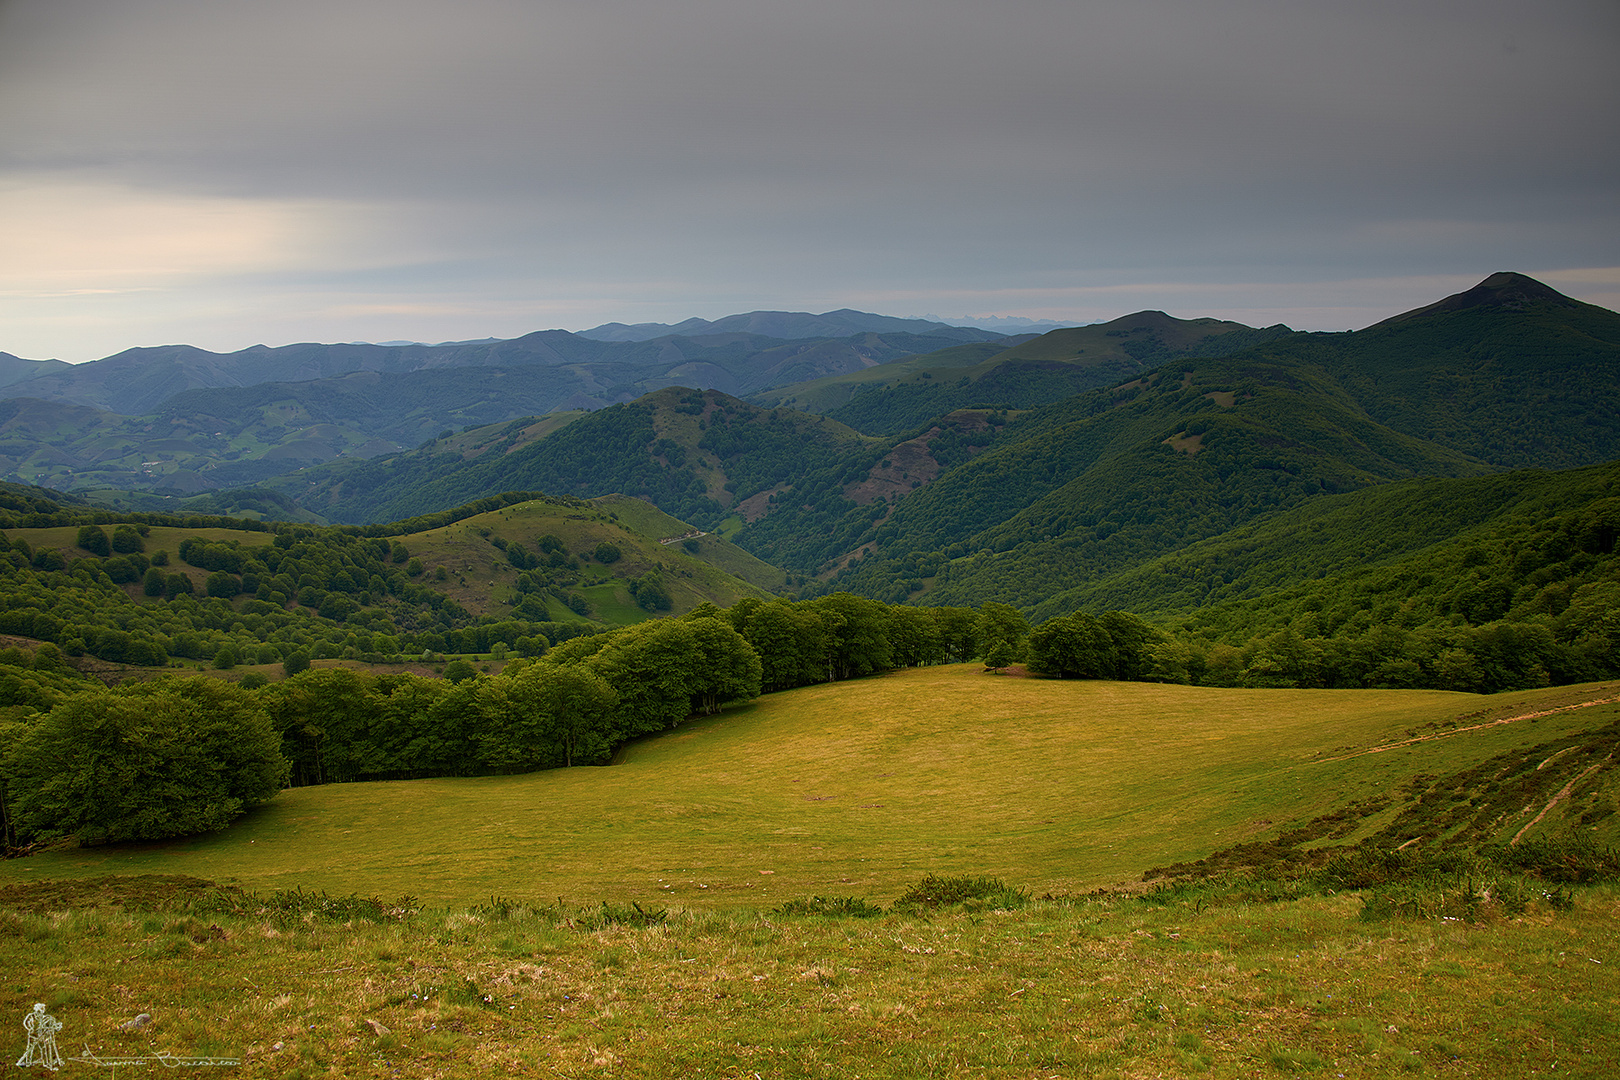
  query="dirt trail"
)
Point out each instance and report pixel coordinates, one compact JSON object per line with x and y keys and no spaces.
{"x":1558,"y":798}
{"x":1460,"y":730}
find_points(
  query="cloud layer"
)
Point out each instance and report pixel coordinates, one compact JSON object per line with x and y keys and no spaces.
{"x":224,"y":173}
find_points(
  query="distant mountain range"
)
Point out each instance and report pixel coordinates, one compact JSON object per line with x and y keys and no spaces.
{"x":1038,"y":504}
{"x":946,"y":466}
{"x":188,"y":420}
{"x":138,"y":380}
{"x":786,"y":325}
{"x":14,"y":369}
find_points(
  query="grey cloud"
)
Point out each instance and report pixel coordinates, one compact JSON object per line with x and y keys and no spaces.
{"x":861,"y":142}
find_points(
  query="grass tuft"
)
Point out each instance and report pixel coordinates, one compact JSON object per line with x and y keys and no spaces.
{"x":608,"y":915}
{"x":288,"y":906}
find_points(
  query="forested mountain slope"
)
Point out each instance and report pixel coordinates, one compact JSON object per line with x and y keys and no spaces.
{"x":1021,"y":374}
{"x":1509,"y":377}
{"x":1338,"y":537}
{"x":983,"y":505}
{"x":523,"y":569}
{"x":694,"y":454}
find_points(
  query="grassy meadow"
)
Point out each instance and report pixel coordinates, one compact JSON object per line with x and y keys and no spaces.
{"x":629,"y":920}
{"x":861,"y":788}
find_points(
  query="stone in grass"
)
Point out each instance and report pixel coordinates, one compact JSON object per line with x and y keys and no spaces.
{"x":137,"y":1024}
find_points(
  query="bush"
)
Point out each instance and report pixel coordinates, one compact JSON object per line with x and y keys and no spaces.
{"x":833,"y":907}
{"x":975,"y":894}
{"x":222,"y":584}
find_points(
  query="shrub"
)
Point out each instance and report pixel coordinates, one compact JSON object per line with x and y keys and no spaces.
{"x":222,"y":584}
{"x":834,"y":907}
{"x":981,"y":893}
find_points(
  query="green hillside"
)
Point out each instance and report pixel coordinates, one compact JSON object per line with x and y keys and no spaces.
{"x":1338,"y":537}
{"x":521,"y":571}
{"x":1094,"y":485}
{"x":804,"y":888}
{"x":698,"y":455}
{"x":1019,"y":374}
{"x":1025,"y":506}
{"x":1086,"y":488}
{"x":1510,"y":372}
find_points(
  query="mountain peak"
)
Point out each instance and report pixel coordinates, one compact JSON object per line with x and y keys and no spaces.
{"x":1505,"y":290}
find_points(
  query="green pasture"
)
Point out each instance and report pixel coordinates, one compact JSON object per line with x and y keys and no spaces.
{"x":861,"y":788}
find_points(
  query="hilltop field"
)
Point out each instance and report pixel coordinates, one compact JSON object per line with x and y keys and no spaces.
{"x":769,"y":891}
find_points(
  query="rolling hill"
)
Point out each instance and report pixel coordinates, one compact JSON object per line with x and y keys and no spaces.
{"x":1020,"y":374}
{"x":1042,"y":507}
{"x":182,"y":420}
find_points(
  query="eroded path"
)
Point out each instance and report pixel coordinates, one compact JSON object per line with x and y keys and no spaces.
{"x":1383,"y":747}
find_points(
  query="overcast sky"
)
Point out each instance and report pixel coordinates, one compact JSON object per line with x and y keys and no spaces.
{"x":226,"y":173}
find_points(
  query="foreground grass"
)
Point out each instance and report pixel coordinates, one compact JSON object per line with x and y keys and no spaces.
{"x":1101,"y":986}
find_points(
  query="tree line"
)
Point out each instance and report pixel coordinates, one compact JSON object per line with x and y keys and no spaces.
{"x":202,"y":751}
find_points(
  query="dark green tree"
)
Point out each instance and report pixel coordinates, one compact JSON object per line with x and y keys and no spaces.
{"x":726,"y":667}
{"x":127,"y":539}
{"x":93,"y":538}
{"x":154,"y":760}
{"x":998,"y":656}
{"x":543,"y":715}
{"x":1003,"y":623}
{"x":1072,"y":647}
